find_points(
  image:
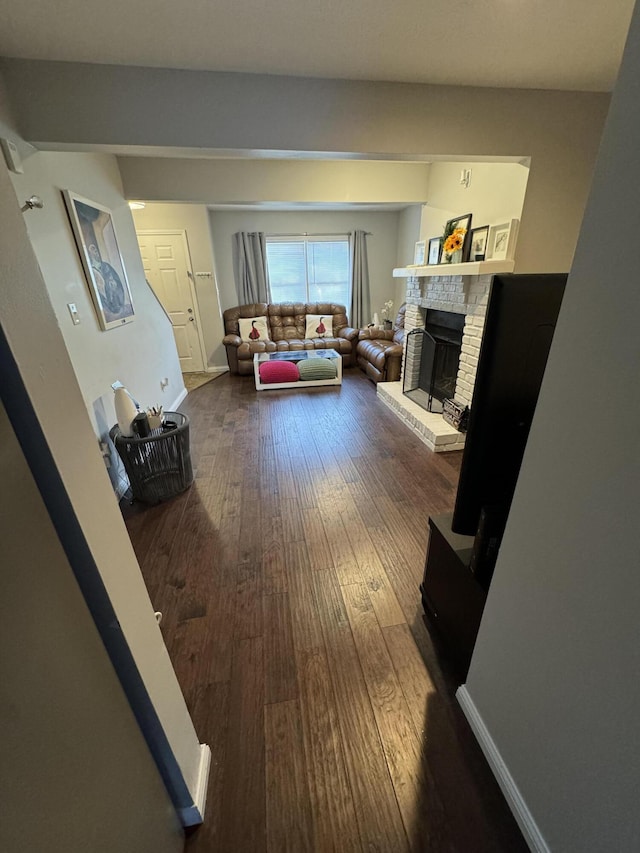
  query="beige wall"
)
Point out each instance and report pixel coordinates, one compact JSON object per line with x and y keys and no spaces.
{"x":194,"y":219}
{"x":83,"y":105}
{"x":554,"y":673}
{"x":139,"y":354}
{"x":381,"y":244}
{"x":31,"y":327}
{"x":76,"y":772}
{"x":228,"y":181}
{"x":8,"y":127}
{"x":408,"y":234}
{"x":496,"y":194}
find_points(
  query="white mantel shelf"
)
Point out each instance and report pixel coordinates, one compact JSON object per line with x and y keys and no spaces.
{"x":472,"y":268}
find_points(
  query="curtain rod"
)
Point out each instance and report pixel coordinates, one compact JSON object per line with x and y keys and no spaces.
{"x":315,"y":234}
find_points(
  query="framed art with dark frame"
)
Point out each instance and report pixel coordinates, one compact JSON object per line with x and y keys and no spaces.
{"x":478,"y":243}
{"x":95,"y":236}
{"x":460,"y":222}
{"x":435,"y":245}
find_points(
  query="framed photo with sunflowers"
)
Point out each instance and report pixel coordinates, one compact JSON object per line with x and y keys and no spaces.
{"x":457,"y":237}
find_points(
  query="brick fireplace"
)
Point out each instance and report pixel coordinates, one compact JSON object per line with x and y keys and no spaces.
{"x":459,"y":294}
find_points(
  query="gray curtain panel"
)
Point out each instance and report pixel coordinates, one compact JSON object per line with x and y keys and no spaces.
{"x":360,"y":314}
{"x":250,"y":267}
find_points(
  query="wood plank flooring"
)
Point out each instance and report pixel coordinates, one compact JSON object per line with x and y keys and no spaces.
{"x":288,"y":578}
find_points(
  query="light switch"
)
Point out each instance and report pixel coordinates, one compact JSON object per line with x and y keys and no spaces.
{"x":75,"y":317}
{"x":12,"y":156}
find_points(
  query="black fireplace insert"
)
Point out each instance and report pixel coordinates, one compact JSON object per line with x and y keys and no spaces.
{"x":432,"y":359}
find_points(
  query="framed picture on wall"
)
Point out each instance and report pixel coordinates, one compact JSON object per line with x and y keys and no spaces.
{"x":435,"y":246}
{"x":95,"y":236}
{"x":501,"y":242}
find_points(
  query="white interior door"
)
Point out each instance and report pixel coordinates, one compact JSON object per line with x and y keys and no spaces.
{"x":166,"y":267}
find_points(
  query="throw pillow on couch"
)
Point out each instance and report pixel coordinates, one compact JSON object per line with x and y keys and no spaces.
{"x":254,"y":329}
{"x":318,"y":326}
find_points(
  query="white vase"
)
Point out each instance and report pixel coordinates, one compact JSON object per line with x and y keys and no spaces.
{"x":125,"y":411}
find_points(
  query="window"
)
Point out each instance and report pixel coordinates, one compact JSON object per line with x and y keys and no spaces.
{"x":309,"y":269}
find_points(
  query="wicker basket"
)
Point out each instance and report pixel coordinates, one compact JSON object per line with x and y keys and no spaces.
{"x":158,"y":466}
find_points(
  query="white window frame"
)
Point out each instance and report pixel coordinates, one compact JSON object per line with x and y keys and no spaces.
{"x":305,"y":239}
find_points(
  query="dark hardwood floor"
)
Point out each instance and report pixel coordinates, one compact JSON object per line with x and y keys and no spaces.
{"x":288,"y":578}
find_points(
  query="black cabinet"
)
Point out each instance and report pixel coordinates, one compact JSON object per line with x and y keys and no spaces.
{"x":451,"y":594}
{"x":520,"y":322}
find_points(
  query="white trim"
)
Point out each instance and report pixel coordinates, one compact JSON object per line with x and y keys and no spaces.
{"x":514,"y":798}
{"x":468,"y":268}
{"x":177,"y":232}
{"x":202,"y":784}
{"x":193,"y":815}
{"x":174,"y":406}
{"x":217,"y":368}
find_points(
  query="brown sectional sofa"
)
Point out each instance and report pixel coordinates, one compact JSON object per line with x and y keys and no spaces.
{"x":286,"y":322}
{"x":379,"y":351}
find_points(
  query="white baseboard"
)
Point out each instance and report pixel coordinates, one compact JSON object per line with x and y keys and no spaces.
{"x":515,"y":801}
{"x":176,"y":403}
{"x":193,"y":815}
{"x":217,"y":368}
{"x":203,"y":778}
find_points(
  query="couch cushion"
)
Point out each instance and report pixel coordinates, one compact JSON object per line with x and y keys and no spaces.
{"x":376,"y":352}
{"x":319,"y":326}
{"x":272,"y":372}
{"x":312,"y":369}
{"x":286,"y":320}
{"x":253,"y":329}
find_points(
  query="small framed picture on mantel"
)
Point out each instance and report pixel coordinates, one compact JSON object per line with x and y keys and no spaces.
{"x":478,"y":243}
{"x":419,"y":253}
{"x":501,"y":243}
{"x":435,"y":246}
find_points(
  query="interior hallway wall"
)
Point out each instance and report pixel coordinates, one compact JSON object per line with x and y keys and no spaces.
{"x":139,"y":354}
{"x":35,"y":339}
{"x":194,"y":219}
{"x":76,"y":772}
{"x":554,"y":672}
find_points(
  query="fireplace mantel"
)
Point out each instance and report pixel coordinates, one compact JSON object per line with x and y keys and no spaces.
{"x":471,"y":268}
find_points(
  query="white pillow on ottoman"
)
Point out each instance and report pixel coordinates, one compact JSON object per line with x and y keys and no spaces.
{"x":319,"y":326}
{"x":254,"y":329}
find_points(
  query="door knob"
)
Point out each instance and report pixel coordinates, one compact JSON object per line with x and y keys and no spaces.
{"x":190,"y":310}
{"x":191,"y":319}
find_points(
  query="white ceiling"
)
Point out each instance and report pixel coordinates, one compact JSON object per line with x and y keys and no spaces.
{"x":550,"y":44}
